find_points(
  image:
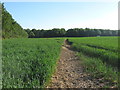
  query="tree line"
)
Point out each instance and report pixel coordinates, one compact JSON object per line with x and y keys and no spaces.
{"x":10,"y":28}
{"x":75,"y":32}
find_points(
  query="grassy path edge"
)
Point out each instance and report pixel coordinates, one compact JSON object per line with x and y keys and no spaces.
{"x":98,"y":69}
{"x":52,"y":73}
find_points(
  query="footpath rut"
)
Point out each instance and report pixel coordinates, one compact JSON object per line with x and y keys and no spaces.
{"x":69,"y":73}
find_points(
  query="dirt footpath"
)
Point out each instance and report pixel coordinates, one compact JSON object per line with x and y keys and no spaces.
{"x":70,"y":73}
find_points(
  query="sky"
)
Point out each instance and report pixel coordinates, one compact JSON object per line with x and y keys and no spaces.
{"x":48,"y":15}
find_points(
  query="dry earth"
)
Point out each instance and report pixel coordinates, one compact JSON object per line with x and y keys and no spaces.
{"x":70,"y":73}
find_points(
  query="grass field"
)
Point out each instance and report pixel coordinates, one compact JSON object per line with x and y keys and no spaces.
{"x":100,"y":56}
{"x":29,"y":63}
{"x":107,"y":43}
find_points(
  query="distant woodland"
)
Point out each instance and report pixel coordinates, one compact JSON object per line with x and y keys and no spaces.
{"x":76,"y":32}
{"x":11,"y":29}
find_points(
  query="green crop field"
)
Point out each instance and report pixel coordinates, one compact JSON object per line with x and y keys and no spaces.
{"x":105,"y":48}
{"x":100,"y":55}
{"x":29,"y":63}
{"x":29,"y":55}
{"x":107,"y":43}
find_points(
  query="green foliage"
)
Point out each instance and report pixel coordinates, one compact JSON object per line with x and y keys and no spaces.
{"x":29,"y":63}
{"x":76,"y":32}
{"x":87,"y":32}
{"x":100,"y":56}
{"x":10,"y":28}
{"x":56,"y":32}
{"x":97,"y":47}
{"x":107,"y":43}
{"x":98,"y":69}
{"x":109,"y":57}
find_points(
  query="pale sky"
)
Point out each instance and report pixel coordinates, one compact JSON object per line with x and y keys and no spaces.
{"x":48,"y":15}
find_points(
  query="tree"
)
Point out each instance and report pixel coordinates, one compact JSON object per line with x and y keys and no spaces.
{"x":31,"y":34}
{"x":76,"y":32}
{"x":10,"y":28}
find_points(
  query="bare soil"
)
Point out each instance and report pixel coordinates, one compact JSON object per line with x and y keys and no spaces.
{"x":70,"y":73}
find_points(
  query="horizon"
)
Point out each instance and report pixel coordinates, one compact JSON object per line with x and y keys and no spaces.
{"x":49,"y":15}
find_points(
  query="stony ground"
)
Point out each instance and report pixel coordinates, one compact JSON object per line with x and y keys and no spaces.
{"x":70,"y":73}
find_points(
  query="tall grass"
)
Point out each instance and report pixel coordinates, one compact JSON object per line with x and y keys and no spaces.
{"x":101,"y":62}
{"x":29,"y":63}
{"x":98,"y":69}
{"x":110,"y":58}
{"x":107,"y":43}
